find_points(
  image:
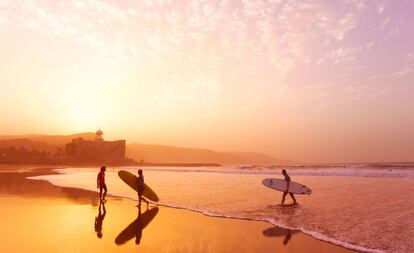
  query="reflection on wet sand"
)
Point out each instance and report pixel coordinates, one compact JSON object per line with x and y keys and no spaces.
{"x":135,"y":228}
{"x":99,"y":220}
{"x":17,"y":183}
{"x":279,"y":232}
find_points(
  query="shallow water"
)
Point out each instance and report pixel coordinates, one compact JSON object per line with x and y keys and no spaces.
{"x":367,"y":209}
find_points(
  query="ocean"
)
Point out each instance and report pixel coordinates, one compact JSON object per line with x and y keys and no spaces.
{"x":365,"y":207}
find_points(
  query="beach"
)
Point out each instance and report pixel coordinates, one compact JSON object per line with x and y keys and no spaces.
{"x":363,"y":207}
{"x":221,"y":108}
{"x":40,"y":217}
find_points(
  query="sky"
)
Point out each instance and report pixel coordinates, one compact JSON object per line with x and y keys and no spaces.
{"x":310,"y":81}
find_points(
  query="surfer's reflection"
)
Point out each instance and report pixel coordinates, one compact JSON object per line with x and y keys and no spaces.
{"x":279,"y":232}
{"x":99,"y":219}
{"x":135,"y":228}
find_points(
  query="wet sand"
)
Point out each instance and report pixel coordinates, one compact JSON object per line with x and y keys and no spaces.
{"x":39,"y":217}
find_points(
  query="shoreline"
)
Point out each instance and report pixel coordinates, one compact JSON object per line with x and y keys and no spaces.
{"x":45,"y":189}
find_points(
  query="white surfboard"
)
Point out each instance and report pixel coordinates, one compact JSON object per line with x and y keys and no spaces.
{"x":280,"y":185}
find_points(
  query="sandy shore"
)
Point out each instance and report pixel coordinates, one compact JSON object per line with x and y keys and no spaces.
{"x":39,"y":217}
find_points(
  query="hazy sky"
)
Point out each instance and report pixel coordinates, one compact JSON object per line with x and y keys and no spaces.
{"x":314,"y":81}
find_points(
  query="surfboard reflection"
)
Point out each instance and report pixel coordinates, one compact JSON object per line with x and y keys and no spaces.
{"x":279,"y":232}
{"x":135,"y":228}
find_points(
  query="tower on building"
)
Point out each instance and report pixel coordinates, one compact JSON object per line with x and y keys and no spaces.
{"x":99,"y":135}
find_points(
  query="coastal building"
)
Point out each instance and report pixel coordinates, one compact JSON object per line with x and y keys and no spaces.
{"x":96,"y":150}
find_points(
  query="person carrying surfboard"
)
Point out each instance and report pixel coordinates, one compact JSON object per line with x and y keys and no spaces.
{"x":100,"y":183}
{"x":287,"y":179}
{"x":141,"y":187}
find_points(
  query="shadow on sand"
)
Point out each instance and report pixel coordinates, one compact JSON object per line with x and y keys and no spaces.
{"x":280,"y":232}
{"x":135,"y":228}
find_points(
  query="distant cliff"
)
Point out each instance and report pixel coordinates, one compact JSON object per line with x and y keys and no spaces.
{"x":148,"y":153}
{"x":171,"y":154}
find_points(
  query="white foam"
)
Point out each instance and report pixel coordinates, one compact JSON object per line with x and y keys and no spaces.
{"x":389,"y":171}
{"x":272,"y":221}
{"x":345,"y":171}
{"x":325,"y":238}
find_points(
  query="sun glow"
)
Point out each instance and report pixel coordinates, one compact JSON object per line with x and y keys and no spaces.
{"x":317,"y":81}
{"x":86,"y":102}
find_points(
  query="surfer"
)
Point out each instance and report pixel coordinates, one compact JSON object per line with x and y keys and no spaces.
{"x":141,"y":187}
{"x":287,"y":179}
{"x":99,"y":220}
{"x":100,"y":183}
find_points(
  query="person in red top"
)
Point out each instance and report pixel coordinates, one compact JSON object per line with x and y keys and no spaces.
{"x":100,"y":183}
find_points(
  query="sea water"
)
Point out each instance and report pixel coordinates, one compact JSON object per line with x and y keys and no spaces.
{"x":363,"y":207}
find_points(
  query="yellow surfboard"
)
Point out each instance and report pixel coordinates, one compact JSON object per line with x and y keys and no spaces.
{"x":131,"y":180}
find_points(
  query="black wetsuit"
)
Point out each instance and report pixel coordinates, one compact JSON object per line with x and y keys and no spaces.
{"x":141,"y":185}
